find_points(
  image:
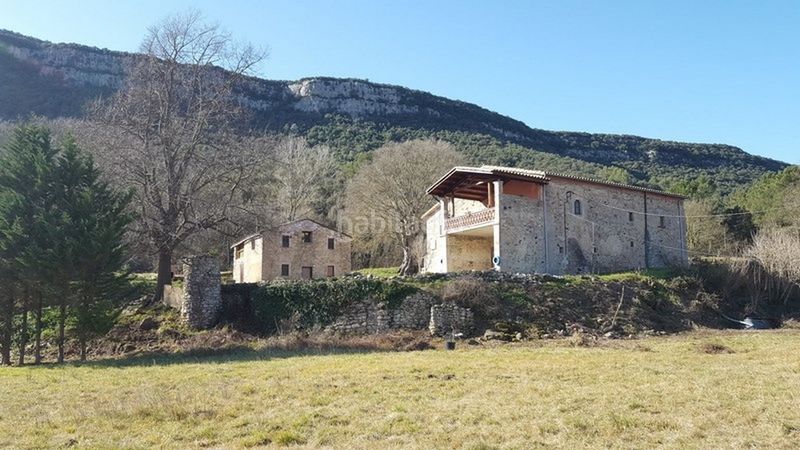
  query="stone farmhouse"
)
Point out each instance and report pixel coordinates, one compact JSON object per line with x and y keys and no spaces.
{"x":530,"y":221}
{"x":303,"y":249}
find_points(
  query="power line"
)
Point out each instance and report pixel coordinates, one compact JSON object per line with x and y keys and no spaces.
{"x":696,"y":215}
{"x":651,"y":243}
{"x":699,"y":253}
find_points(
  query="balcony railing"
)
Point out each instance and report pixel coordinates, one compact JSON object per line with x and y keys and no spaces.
{"x":469,"y":220}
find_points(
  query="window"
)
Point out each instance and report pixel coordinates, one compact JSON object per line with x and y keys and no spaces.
{"x":239,"y":251}
{"x":284,"y":270}
{"x":331,"y":244}
{"x":631,"y":243}
{"x":630,"y":217}
{"x":594,"y":250}
{"x":285,"y":241}
{"x":661,"y":221}
{"x":306,"y":236}
{"x":253,"y":244}
{"x":330,"y":271}
{"x":577,"y":207}
{"x":307,"y":272}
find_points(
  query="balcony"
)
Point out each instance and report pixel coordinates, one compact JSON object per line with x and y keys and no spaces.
{"x":470,"y":220}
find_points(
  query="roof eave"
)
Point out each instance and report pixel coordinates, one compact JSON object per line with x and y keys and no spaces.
{"x":245,"y":239}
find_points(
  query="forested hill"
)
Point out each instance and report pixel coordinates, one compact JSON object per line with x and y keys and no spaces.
{"x":354,"y":116}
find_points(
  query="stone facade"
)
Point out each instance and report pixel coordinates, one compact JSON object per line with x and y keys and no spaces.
{"x":202,"y":299}
{"x":296,"y":250}
{"x":536,"y":222}
{"x":248,"y":257}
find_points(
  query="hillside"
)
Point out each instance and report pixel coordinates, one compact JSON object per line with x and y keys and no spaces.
{"x":353,"y":116}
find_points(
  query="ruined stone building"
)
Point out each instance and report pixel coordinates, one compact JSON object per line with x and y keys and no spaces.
{"x":303,"y":249}
{"x":529,"y":221}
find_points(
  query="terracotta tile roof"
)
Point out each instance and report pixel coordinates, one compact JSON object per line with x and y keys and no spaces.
{"x":461,"y":176}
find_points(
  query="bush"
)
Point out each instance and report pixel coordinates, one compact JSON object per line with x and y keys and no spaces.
{"x":479,"y":296}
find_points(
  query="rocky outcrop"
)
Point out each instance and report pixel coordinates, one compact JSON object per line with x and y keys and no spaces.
{"x":106,"y":69}
{"x":75,"y":63}
{"x":352,"y":97}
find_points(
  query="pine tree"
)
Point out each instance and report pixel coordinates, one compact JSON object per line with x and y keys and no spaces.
{"x":25,"y":192}
{"x":61,"y":241}
{"x":94,"y":223}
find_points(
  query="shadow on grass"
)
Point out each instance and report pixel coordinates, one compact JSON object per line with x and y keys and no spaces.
{"x":220,"y":356}
{"x":278,"y":349}
{"x":203,"y":356}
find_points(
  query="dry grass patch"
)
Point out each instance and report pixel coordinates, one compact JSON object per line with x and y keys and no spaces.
{"x":714,"y":348}
{"x":513,"y":396}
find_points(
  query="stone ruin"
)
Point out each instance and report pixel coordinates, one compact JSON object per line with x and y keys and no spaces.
{"x":200,"y":302}
{"x":202,"y":297}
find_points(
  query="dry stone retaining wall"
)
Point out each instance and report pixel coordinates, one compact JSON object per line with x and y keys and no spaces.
{"x":369,"y":317}
{"x":415,"y":312}
{"x":449,"y":318}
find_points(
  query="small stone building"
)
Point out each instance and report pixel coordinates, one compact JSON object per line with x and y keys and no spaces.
{"x":303,"y":249}
{"x":530,"y":221}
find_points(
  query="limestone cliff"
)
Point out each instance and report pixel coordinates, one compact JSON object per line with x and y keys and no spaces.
{"x":352,"y":116}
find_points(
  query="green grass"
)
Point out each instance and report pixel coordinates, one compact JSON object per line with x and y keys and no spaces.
{"x":380,"y":272}
{"x":641,"y":275}
{"x":657,"y":274}
{"x":676,"y":392}
{"x":144,"y":283}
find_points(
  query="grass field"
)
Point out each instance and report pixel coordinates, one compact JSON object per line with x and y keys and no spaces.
{"x":699,"y":390}
{"x":379,"y":272}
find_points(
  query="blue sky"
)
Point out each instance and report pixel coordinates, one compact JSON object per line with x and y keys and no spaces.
{"x":699,"y":71}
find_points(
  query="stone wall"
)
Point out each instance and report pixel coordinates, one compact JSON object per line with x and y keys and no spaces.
{"x":416,"y":312}
{"x":520,"y":232}
{"x":370,"y":317}
{"x":449,"y":318}
{"x":202,"y":299}
{"x":605,"y":237}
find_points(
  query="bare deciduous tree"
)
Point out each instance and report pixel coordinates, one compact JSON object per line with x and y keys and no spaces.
{"x":387,"y":196}
{"x":172,"y":118}
{"x":772,"y":265}
{"x":705,"y":232}
{"x":300,"y":171}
